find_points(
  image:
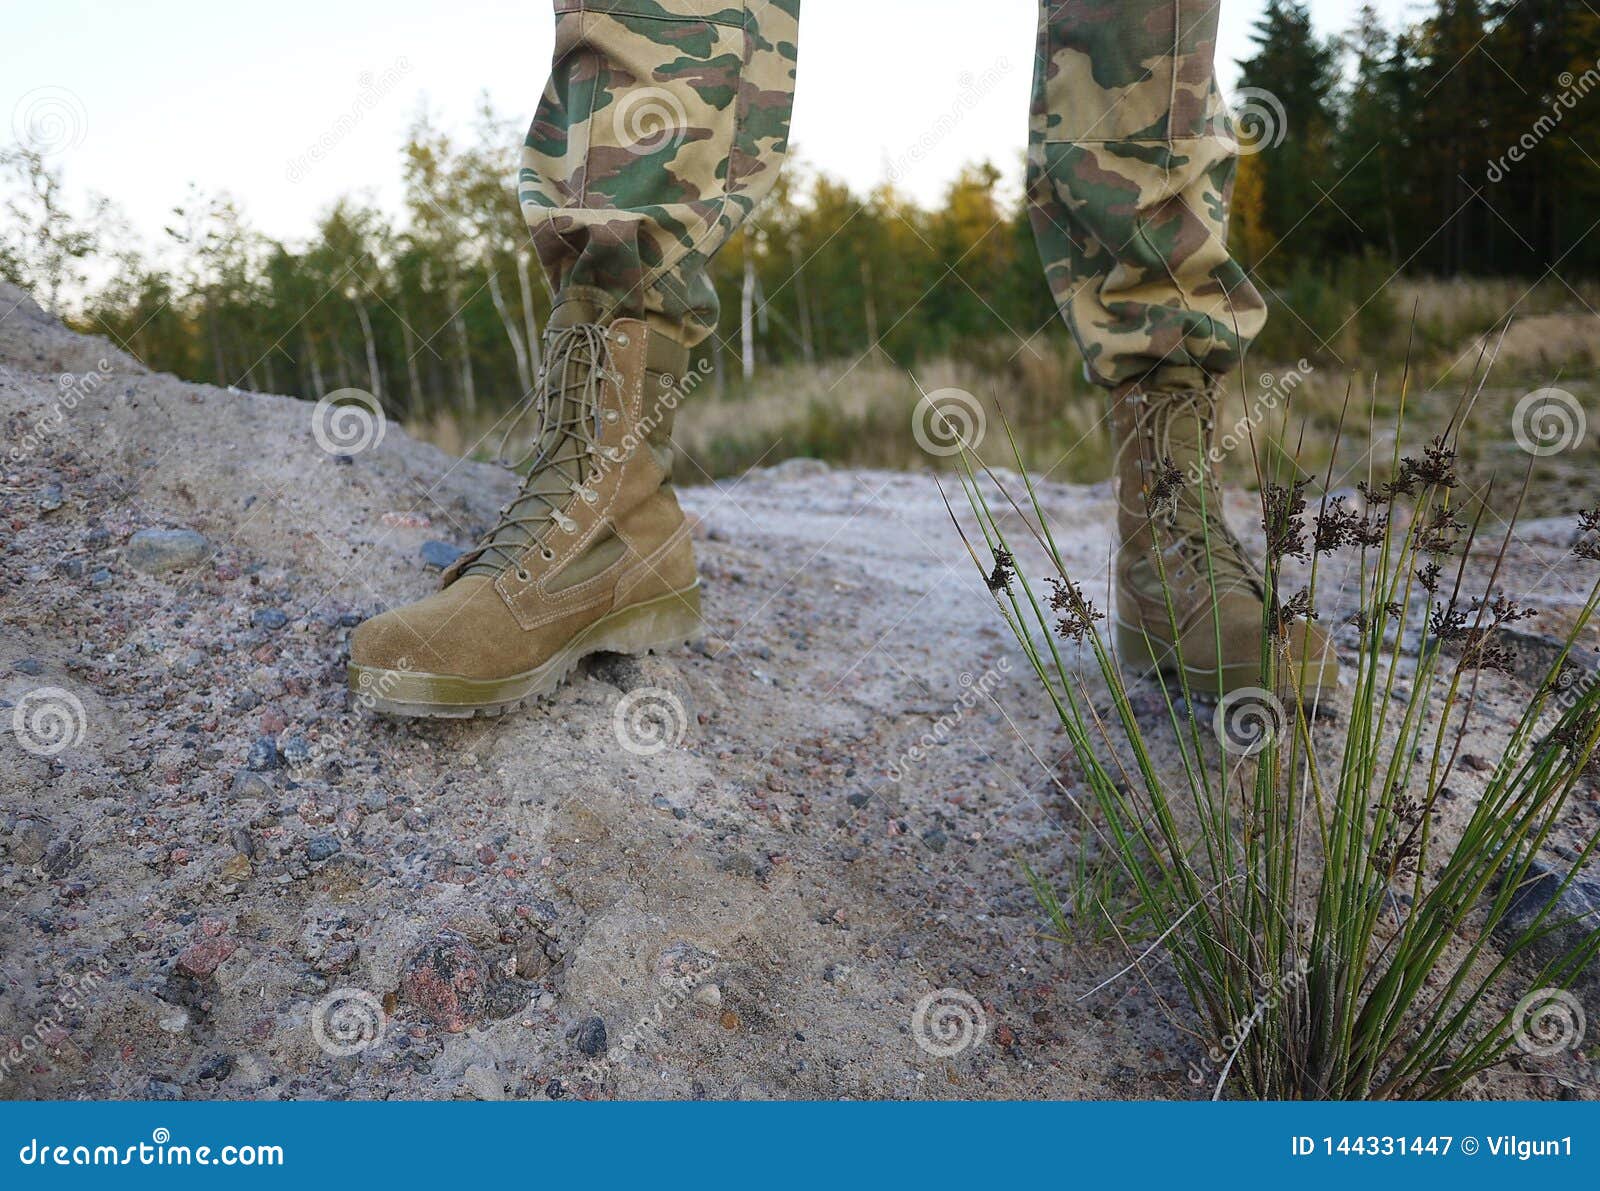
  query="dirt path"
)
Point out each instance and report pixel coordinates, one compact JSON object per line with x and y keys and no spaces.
{"x":228,"y":881}
{"x":784,"y":863}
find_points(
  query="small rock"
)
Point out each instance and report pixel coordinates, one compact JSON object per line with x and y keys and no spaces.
{"x":447,"y":980}
{"x":49,"y":500}
{"x":484,"y":1083}
{"x":263,"y":755}
{"x":251,"y":785}
{"x":202,"y":957}
{"x":589,"y":1036}
{"x":271,"y":619}
{"x":29,"y":666}
{"x":321,"y":847}
{"x":101,"y":578}
{"x":439,"y":555}
{"x":708,"y":995}
{"x":935,"y":839}
{"x":296,"y":752}
{"x":799,"y":468}
{"x":175,"y":1020}
{"x":156,"y":551}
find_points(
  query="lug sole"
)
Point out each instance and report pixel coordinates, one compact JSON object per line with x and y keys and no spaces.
{"x":667,"y":622}
{"x":1134,"y":649}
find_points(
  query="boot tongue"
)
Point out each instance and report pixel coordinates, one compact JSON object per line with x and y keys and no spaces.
{"x":560,"y":405}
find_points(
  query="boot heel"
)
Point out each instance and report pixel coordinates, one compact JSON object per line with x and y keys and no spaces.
{"x":668,"y":620}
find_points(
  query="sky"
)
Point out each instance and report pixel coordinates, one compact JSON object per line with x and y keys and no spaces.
{"x":290,"y":105}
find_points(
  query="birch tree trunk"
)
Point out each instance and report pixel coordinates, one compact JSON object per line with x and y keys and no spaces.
{"x":747,"y":305}
{"x":518,"y":348}
{"x":530,"y":321}
{"x":374,"y":373}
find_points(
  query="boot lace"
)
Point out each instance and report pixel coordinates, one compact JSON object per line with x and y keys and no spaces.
{"x":559,"y":460}
{"x":1199,"y":536}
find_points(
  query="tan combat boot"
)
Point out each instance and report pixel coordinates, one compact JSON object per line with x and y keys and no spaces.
{"x":1169,"y":511}
{"x":593,"y":555}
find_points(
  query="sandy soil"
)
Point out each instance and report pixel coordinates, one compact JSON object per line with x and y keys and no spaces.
{"x":226,"y":884}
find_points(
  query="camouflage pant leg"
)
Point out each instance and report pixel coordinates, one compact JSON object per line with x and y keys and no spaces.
{"x":664,"y":123}
{"x":1130,"y":168}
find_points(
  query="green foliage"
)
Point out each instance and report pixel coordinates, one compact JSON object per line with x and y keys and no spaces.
{"x":1335,"y":942}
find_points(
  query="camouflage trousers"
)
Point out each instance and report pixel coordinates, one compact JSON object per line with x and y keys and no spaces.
{"x":665,"y":123}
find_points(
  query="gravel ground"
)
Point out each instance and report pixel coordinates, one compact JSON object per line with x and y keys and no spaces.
{"x":784,"y":863}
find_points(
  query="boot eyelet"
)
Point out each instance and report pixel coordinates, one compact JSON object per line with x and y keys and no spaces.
{"x":622,"y":340}
{"x":611,"y":415}
{"x":523,"y":576}
{"x":547,"y":554}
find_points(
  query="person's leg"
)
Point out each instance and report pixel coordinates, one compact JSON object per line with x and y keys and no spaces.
{"x":663,"y":125}
{"x":1130,"y":168}
{"x":1130,"y":165}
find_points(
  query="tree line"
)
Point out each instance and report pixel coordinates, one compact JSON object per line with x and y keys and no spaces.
{"x":1463,"y":143}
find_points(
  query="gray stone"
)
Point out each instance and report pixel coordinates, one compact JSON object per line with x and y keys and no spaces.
{"x":439,"y":555}
{"x":271,"y":619}
{"x":589,"y":1036}
{"x":321,"y":847}
{"x":263,"y":755}
{"x":251,"y":785}
{"x":156,"y":551}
